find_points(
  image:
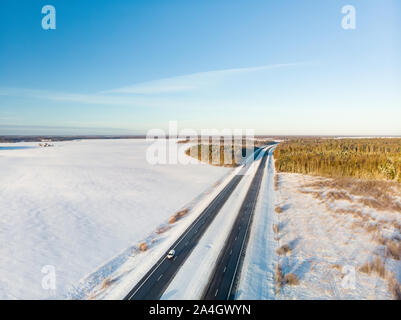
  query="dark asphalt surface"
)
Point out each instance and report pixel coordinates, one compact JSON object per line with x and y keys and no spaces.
{"x":224,"y":278}
{"x":154,"y":283}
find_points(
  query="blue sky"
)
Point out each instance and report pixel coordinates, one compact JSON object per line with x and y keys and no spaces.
{"x":122,"y":67}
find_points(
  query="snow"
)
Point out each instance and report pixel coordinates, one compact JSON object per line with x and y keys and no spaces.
{"x":193,"y":276}
{"x":326,"y":247}
{"x":85,"y":204}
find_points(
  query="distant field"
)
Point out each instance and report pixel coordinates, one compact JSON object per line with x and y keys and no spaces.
{"x":372,"y":159}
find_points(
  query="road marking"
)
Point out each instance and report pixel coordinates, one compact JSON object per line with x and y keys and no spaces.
{"x":134,"y":293}
{"x":175,"y":258}
{"x":159,"y":277}
{"x":236,"y":237}
{"x":231,"y":252}
{"x":216,"y":292}
{"x":267,"y":151}
{"x":225,"y":268}
{"x":205,"y":213}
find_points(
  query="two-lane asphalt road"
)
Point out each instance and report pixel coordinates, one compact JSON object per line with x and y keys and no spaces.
{"x":154,"y":283}
{"x":225,"y":275}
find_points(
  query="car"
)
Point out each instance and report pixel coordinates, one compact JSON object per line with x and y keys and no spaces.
{"x":170,"y":254}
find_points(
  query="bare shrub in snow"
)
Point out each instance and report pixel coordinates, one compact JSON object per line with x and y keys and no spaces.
{"x":376,"y":266}
{"x":283,"y":250}
{"x":316,"y":195}
{"x":372,"y":227}
{"x":143,"y":246}
{"x":396,"y":225}
{"x":178,"y":216}
{"x":395,"y":288}
{"x":345,"y":211}
{"x":162,"y":229}
{"x":394,"y":249}
{"x":278,"y":209}
{"x":92,"y":296}
{"x":276,"y":182}
{"x":106,"y":283}
{"x":336,"y":266}
{"x":380,"y":240}
{"x":291,"y":279}
{"x":338,"y":195}
{"x":357,"y":224}
{"x":182,"y":212}
{"x":276,"y":228}
{"x":279,"y":277}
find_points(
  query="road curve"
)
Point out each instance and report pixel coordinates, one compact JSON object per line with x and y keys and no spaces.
{"x":224,"y":277}
{"x":156,"y":280}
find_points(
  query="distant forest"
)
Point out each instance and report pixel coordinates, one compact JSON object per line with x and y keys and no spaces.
{"x":372,"y":159}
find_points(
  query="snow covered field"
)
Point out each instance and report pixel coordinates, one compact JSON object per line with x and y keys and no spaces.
{"x":84,"y":204}
{"x":338,"y":246}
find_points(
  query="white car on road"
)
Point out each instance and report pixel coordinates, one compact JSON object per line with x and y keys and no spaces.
{"x":170,"y":254}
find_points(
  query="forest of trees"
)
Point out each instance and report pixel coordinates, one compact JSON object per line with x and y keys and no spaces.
{"x":373,"y":158}
{"x":220,"y":155}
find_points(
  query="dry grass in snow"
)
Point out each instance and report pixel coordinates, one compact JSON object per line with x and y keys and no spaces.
{"x":143,"y":246}
{"x":328,"y":230}
{"x":283,"y":250}
{"x":291,"y":279}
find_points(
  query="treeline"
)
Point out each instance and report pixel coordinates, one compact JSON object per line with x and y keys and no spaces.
{"x":14,"y":139}
{"x":220,"y":155}
{"x":376,"y":158}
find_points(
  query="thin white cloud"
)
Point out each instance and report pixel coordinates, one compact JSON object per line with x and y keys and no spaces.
{"x":144,"y":94}
{"x":100,"y":99}
{"x":190,"y":81}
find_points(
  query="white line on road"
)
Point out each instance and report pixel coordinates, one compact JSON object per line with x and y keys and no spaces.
{"x":146,"y":278}
{"x":159,"y":277}
{"x":267,"y":152}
